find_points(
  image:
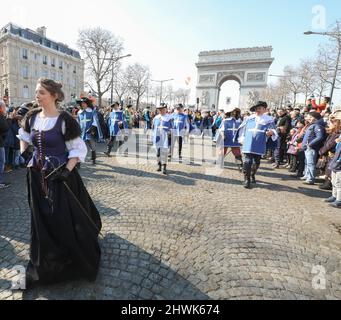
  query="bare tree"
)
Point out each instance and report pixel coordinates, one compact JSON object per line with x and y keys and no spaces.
{"x":138,"y":77}
{"x":293,"y":82}
{"x":182,"y":96}
{"x":322,"y":66}
{"x":306,"y":71}
{"x":100,"y":49}
{"x":121,"y":84}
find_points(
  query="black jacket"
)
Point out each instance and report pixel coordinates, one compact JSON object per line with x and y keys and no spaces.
{"x":3,"y":129}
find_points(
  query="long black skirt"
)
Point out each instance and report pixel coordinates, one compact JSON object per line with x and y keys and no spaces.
{"x":64,"y":240}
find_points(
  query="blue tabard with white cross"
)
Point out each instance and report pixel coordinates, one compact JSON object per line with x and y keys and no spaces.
{"x":226,"y":133}
{"x":180,"y":124}
{"x":113,"y":123}
{"x":162,"y":127}
{"x":254,"y":134}
{"x":86,"y":120}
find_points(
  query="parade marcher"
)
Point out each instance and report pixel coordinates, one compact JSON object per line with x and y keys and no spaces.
{"x":253,"y":134}
{"x":162,"y":126}
{"x":118,"y":128}
{"x":180,"y":128}
{"x":65,"y":222}
{"x":89,"y":124}
{"x":226,"y":133}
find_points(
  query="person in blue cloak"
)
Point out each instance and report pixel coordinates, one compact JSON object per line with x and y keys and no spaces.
{"x":180,"y":127}
{"x":90,"y":127}
{"x":162,"y":126}
{"x":118,"y":128}
{"x":225,"y":136}
{"x":253,"y":134}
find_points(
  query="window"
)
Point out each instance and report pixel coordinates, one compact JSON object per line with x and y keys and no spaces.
{"x":53,"y":62}
{"x":73,"y":83}
{"x":53,"y":75}
{"x":45,"y":73}
{"x":26,"y":92}
{"x":45,"y":60}
{"x":24,"y":72}
{"x":61,"y":65}
{"x":74,"y":69}
{"x":61,"y":77}
{"x":25,"y":53}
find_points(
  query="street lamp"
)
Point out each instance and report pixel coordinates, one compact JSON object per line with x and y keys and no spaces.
{"x":337,"y":36}
{"x":161,"y":82}
{"x":114,"y":60}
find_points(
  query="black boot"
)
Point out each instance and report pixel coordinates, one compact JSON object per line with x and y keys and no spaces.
{"x":93,"y":157}
{"x":160,"y":167}
{"x":247,"y":182}
{"x":327,"y":185}
{"x":253,"y":173}
{"x":109,"y":148}
{"x":164,"y":169}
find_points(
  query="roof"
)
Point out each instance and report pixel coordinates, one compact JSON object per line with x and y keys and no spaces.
{"x":39,"y":39}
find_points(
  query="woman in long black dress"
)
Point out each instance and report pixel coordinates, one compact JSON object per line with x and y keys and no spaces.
{"x":65,"y":223}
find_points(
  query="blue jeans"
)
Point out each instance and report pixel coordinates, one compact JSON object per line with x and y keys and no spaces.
{"x":2,"y":164}
{"x":311,"y":159}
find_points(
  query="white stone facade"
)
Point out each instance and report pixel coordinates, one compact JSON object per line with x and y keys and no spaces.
{"x":23,"y":61}
{"x":249,"y":67}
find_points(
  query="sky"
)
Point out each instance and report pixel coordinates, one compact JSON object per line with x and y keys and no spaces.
{"x":169,"y":35}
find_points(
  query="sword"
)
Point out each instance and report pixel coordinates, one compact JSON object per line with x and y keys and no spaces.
{"x":75,"y":198}
{"x":82,"y":208}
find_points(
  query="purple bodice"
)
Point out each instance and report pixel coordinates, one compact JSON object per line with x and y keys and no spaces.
{"x":50,"y":151}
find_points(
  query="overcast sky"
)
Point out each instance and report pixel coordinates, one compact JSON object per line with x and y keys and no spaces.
{"x":168,"y":35}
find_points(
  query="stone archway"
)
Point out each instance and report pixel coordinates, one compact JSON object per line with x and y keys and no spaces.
{"x":220,"y":84}
{"x":249,"y":67}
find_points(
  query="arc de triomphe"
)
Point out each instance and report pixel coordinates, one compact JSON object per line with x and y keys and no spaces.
{"x":248,"y":66}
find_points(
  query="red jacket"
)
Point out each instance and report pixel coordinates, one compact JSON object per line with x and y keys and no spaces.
{"x":319,"y":108}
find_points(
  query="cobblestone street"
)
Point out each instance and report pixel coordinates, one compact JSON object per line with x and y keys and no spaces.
{"x":194,"y":234}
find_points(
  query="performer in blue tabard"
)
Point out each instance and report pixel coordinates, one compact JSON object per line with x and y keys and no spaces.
{"x":118,"y":128}
{"x":88,"y":120}
{"x":180,"y":127}
{"x":253,"y":134}
{"x":162,"y":126}
{"x":225,"y":136}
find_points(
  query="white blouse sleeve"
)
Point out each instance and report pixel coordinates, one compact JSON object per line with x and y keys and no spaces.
{"x":24,"y":136}
{"x":77,"y":147}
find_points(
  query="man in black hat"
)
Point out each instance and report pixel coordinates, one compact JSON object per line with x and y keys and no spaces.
{"x":88,"y":120}
{"x":253,"y":134}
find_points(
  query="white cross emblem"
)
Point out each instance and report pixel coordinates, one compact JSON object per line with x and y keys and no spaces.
{"x":177,"y":122}
{"x":257,"y":129}
{"x":234,"y":129}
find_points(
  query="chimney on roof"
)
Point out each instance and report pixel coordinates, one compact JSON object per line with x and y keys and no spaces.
{"x":42,"y":31}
